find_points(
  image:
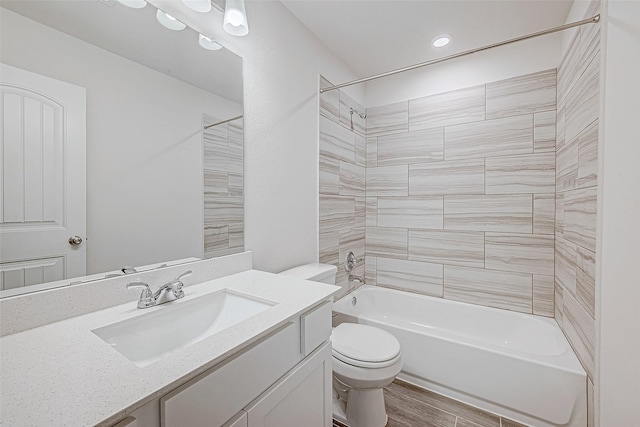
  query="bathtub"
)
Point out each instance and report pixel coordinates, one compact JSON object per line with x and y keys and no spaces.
{"x":516,"y":365}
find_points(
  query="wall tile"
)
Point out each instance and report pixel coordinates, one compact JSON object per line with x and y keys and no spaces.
{"x":588,"y":157}
{"x":223,"y":209}
{"x":524,"y":253}
{"x":511,"y":291}
{"x":336,"y":213}
{"x":543,"y":293}
{"x":223,"y":158}
{"x":329,"y":245}
{"x":329,"y":102}
{"x":585,"y":280}
{"x":386,"y":242}
{"x":236,"y":134}
{"x":560,"y":122}
{"x":353,"y":122}
{"x":329,"y":175}
{"x":507,"y":213}
{"x":361,"y":212}
{"x":558,"y":308}
{"x":352,"y":240}
{"x":236,"y":235}
{"x":569,"y":69}
{"x":352,"y":179}
{"x":583,"y":101}
{"x":498,"y":137}
{"x":579,"y":329}
{"x":372,"y":152}
{"x":336,"y":141}
{"x":559,"y":213}
{"x":215,"y":238}
{"x":236,"y":184}
{"x":455,"y":177}
{"x":411,"y":147}
{"x":361,"y":150}
{"x":531,"y":173}
{"x":414,"y":276}
{"x":544,"y":213}
{"x":590,"y":37}
{"x":567,"y":166}
{"x":544,"y":132}
{"x":531,"y":93}
{"x":216,"y":182}
{"x":371,"y":215}
{"x":447,"y":247}
{"x":565,"y":264}
{"x":388,"y":119}
{"x":580,"y":217}
{"x":424,"y":212}
{"x":370,"y":270}
{"x":388,"y":181}
{"x":445,"y":109}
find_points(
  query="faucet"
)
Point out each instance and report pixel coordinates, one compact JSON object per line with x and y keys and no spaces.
{"x":353,"y":277}
{"x":170,"y":291}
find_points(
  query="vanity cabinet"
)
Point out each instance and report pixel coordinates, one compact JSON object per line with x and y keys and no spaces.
{"x":284,"y":379}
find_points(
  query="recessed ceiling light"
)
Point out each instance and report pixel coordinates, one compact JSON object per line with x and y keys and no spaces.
{"x":441,"y":40}
{"x":208,"y":43}
{"x":169,"y":21}
{"x":136,"y":4}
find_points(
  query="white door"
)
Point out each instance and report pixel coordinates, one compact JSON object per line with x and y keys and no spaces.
{"x":42,"y":179}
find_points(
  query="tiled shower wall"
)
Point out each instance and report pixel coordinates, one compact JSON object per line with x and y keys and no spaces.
{"x":342,"y":181}
{"x":460,"y":194}
{"x":223,"y":188}
{"x":576,"y":186}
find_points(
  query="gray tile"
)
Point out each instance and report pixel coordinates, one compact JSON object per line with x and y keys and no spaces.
{"x":388,"y":119}
{"x":510,"y":423}
{"x":588,"y":157}
{"x":423,"y":212}
{"x":329,"y":246}
{"x":329,"y":102}
{"x":352,"y":240}
{"x":223,"y":158}
{"x":543,"y":293}
{"x":544,"y":213}
{"x":352,"y":179}
{"x":388,"y":181}
{"x":361,"y":148}
{"x":567,"y":166}
{"x":411,"y":147}
{"x":507,"y":213}
{"x":370,"y":269}
{"x":236,"y":134}
{"x":531,"y":93}
{"x":386,"y":242}
{"x":583,"y":101}
{"x":580,"y":208}
{"x":557,"y":300}
{"x":524,"y":253}
{"x":329,"y":175}
{"x":222,"y":210}
{"x":215,"y":183}
{"x":449,"y":177}
{"x":565,"y":264}
{"x":531,"y":173}
{"x":579,"y":329}
{"x":403,"y":410}
{"x":236,"y":184}
{"x":412,"y":276}
{"x":336,"y":141}
{"x":559,"y":213}
{"x":236,"y":235}
{"x":361,"y":212}
{"x":348,"y":120}
{"x":585,"y":279}
{"x":445,"y":109}
{"x":371,"y":211}
{"x":560,"y":122}
{"x":336,"y":213}
{"x":372,"y":151}
{"x":447,"y":247}
{"x":569,"y":69}
{"x":499,"y":289}
{"x":544,"y":132}
{"x":215,"y":238}
{"x":506,"y":136}
{"x":590,"y":36}
{"x":218,"y":135}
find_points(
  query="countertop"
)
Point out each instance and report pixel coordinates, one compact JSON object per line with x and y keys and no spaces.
{"x":63,"y":374}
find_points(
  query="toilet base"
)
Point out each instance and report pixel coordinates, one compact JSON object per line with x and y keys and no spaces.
{"x":364,"y":408}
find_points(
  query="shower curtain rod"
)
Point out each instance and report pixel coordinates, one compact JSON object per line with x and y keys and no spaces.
{"x":223,"y":122}
{"x":593,"y":20}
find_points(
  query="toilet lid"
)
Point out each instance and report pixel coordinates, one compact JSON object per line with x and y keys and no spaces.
{"x":364,"y":343}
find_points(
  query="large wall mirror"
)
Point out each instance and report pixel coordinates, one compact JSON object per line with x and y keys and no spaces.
{"x":106,"y":161}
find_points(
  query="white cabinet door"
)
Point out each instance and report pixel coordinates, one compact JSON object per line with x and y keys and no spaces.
{"x":42,"y":179}
{"x":301,"y":398}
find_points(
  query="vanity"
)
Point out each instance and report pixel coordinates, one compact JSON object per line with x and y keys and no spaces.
{"x":247,"y":348}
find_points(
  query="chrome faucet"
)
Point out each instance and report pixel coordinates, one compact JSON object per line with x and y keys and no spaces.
{"x":170,"y":291}
{"x":353,"y":277}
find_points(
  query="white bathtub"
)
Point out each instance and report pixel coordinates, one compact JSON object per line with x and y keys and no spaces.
{"x":516,"y":365}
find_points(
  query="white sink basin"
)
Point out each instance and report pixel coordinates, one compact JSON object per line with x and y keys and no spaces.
{"x":148,"y":338}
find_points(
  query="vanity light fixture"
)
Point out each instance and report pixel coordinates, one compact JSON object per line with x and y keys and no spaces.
{"x":441,"y":40}
{"x":202,"y":6}
{"x":169,"y":21}
{"x":235,"y":18}
{"x":136,"y":4}
{"x":208,"y":43}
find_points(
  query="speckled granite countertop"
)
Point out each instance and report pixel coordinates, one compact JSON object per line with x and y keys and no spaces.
{"x":62,"y":374}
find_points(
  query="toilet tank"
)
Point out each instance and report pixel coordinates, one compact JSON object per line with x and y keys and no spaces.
{"x":323,"y":273}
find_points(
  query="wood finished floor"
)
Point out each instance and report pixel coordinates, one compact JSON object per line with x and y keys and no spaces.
{"x":411,"y":406}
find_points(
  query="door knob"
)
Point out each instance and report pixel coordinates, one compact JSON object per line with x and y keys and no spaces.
{"x":75,"y":240}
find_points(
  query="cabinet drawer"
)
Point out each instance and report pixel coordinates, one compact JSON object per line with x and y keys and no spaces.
{"x":315,"y":327}
{"x":214,"y":397}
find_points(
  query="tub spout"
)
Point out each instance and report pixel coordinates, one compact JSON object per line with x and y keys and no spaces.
{"x":353,"y":277}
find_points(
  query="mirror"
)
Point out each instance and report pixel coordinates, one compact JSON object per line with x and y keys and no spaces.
{"x":158,"y":186}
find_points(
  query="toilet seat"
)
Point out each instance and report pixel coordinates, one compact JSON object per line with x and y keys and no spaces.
{"x":364,"y":346}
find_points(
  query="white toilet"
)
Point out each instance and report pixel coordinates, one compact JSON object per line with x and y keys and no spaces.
{"x":365,"y":360}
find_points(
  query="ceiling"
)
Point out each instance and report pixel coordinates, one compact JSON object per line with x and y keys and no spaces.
{"x":373,"y":36}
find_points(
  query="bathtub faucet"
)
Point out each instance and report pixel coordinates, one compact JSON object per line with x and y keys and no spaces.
{"x":353,"y":277}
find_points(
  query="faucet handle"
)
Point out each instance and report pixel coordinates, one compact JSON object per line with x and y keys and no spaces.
{"x":177,"y":288}
{"x":146,"y":297}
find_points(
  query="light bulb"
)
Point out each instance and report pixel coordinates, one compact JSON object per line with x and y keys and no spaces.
{"x":208,"y":43}
{"x":169,"y":21}
{"x":235,"y":18}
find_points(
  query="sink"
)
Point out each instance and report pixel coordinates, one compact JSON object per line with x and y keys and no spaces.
{"x":148,"y":338}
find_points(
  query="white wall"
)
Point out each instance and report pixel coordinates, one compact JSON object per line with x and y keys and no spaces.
{"x":619,"y":236}
{"x":144,"y":201}
{"x":479,"y":68}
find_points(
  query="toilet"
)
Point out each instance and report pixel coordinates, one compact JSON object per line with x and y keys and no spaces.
{"x":365,"y":360}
